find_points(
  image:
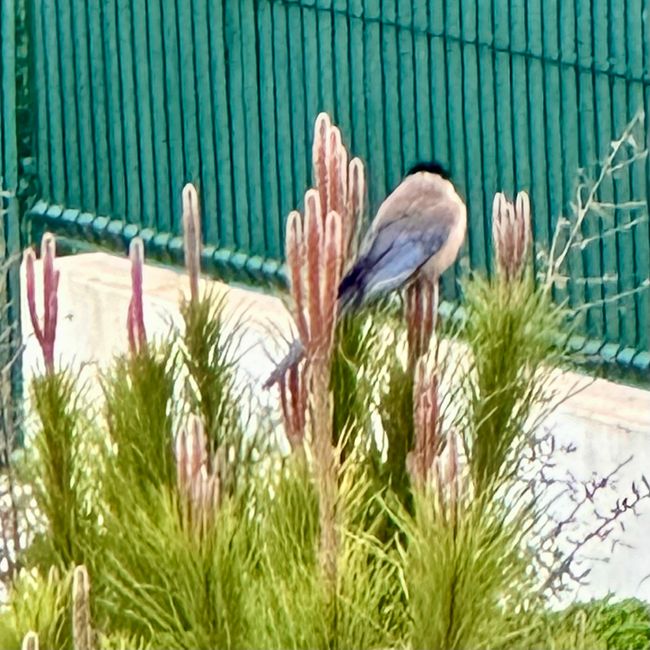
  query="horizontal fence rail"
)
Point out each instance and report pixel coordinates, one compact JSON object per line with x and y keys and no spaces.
{"x":133,"y":99}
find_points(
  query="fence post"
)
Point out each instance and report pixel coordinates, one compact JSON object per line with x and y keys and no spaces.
{"x":10,"y":377}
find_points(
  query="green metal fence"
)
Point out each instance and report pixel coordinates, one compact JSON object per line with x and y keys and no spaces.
{"x":133,"y":98}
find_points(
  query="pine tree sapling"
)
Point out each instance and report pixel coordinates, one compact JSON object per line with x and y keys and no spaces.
{"x":318,"y":246}
{"x":56,"y":401}
{"x":210,"y":347}
{"x":513,"y":331}
{"x":139,"y":394}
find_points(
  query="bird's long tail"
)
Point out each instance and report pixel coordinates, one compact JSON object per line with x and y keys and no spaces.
{"x":350,"y":296}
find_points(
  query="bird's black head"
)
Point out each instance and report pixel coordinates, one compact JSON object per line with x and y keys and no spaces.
{"x":432,"y":167}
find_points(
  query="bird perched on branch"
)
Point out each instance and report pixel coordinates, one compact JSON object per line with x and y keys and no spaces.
{"x":417,"y":233}
{"x":415,"y":237}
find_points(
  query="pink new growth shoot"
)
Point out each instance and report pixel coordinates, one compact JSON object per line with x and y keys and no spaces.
{"x":135,"y":319}
{"x":45,"y":330}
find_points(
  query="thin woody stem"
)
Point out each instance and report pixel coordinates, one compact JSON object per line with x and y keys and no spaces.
{"x":583,"y":208}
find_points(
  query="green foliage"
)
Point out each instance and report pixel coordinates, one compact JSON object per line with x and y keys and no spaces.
{"x":209,"y":356}
{"x":40,"y":604}
{"x":139,"y":397}
{"x":569,"y":630}
{"x":292,"y":605}
{"x":209,"y":353}
{"x":396,"y":410}
{"x":514,"y":331}
{"x":466,"y":575}
{"x":168,"y":588}
{"x":356,"y":346}
{"x":623,"y":625}
{"x":57,"y":470}
{"x":123,"y":642}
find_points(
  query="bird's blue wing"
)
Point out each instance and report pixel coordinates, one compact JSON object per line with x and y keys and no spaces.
{"x":396,"y":254}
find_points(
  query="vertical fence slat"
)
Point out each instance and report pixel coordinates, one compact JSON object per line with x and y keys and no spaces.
{"x":219,"y":84}
{"x":6,"y":69}
{"x":374,"y":91}
{"x":42,"y":139}
{"x":9,"y":232}
{"x":520,"y":113}
{"x":438,"y":53}
{"x":358,"y":132}
{"x":68,"y":55}
{"x":54,"y":107}
{"x":251,"y":98}
{"x":456,"y":125}
{"x":301,"y":124}
{"x":283,"y":110}
{"x":341,"y":65}
{"x":325,"y":57}
{"x":421,"y":62}
{"x":445,"y":147}
{"x":487,"y":105}
{"x":88,"y":199}
{"x":604,"y":137}
{"x":643,"y":230}
{"x":9,"y":150}
{"x":589,"y":154}
{"x":479,"y":217}
{"x":98,"y":108}
{"x":272,"y":210}
{"x":143,"y":86}
{"x":173,"y":108}
{"x":129,"y":110}
{"x":640,"y":240}
{"x":8,"y":144}
{"x":391,"y":109}
{"x":311,"y":70}
{"x":553,"y":112}
{"x":237,"y":122}
{"x":569,"y":130}
{"x":188,"y":103}
{"x":114,"y":96}
{"x":408,"y":112}
{"x":537,"y":124}
{"x":159,"y":122}
{"x":620,"y":118}
{"x":207,"y":171}
{"x":503,"y":89}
